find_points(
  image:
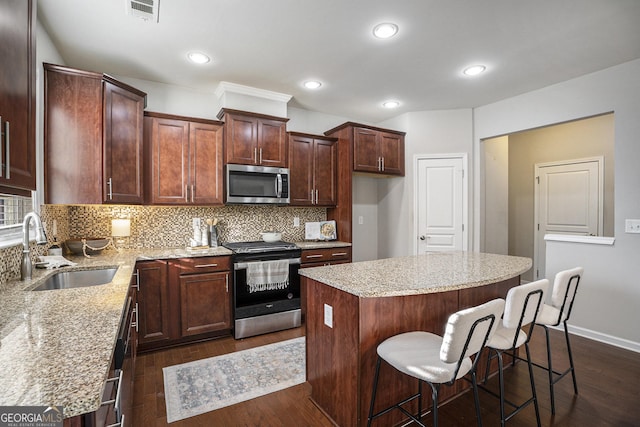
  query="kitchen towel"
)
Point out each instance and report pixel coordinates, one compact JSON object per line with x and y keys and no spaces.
{"x":56,"y":261}
{"x":267,"y":275}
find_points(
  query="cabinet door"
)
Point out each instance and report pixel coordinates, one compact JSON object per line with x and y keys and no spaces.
{"x":204,"y":303}
{"x":241,"y":139}
{"x":153,"y":301}
{"x":366,"y":151}
{"x":17,"y":94}
{"x":122,"y":158}
{"x":169,"y":156}
{"x":205,"y":176}
{"x":300,"y":170}
{"x":392,"y":153}
{"x":272,"y":143}
{"x":72,"y":136}
{"x":325,"y":172}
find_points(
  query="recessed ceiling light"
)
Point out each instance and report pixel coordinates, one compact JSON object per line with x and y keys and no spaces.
{"x":385,"y":30}
{"x":474,"y":70}
{"x":198,"y":57}
{"x":312,"y":84}
{"x":391,"y":104}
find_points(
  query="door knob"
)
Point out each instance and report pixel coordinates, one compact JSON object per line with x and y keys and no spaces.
{"x":422,"y":237}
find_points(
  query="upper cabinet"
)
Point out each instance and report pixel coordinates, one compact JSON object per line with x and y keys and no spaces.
{"x":184,"y":160}
{"x":378,"y":151}
{"x":93,"y":138}
{"x":313,"y":163}
{"x":254,"y":139}
{"x":17,"y":96}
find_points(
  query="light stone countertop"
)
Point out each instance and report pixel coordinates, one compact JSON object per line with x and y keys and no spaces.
{"x":322,"y":244}
{"x":420,"y":274}
{"x":56,"y":346}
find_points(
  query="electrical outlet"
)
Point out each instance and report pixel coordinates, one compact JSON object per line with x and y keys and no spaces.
{"x":328,"y":315}
{"x":296,"y":221}
{"x":632,"y":225}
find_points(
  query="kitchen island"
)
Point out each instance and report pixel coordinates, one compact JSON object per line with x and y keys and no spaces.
{"x":352,"y":308}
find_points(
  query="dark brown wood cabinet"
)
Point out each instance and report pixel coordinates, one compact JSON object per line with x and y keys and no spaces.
{"x":153,"y":302}
{"x":183,"y":300}
{"x":378,"y":151}
{"x":325,"y":256}
{"x":93,"y":138}
{"x":254,"y":139}
{"x":17,"y":96}
{"x":184,"y":160}
{"x":313,"y":163}
{"x":204,"y":295}
{"x":363,"y":145}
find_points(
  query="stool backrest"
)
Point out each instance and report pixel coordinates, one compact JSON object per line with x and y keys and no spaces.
{"x":468,"y":330}
{"x":565,"y":287}
{"x":523,"y":303}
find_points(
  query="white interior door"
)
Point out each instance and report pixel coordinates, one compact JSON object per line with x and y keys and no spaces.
{"x":569,"y":200}
{"x":441,"y":204}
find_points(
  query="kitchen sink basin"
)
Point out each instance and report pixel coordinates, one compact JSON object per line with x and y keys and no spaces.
{"x":77,"y":279}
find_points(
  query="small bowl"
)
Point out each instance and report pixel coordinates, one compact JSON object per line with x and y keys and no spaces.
{"x":271,"y":236}
{"x":75,"y":245}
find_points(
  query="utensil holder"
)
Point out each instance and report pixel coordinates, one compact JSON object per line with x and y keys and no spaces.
{"x":213,"y":236}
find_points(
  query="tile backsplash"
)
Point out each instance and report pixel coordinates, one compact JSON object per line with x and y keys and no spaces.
{"x":162,"y":226}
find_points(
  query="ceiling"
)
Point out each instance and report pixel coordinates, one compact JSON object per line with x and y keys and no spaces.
{"x":278,"y":44}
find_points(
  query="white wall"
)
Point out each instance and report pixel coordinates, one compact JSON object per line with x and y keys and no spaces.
{"x":495,"y":185}
{"x":607,"y":304}
{"x":428,"y":132}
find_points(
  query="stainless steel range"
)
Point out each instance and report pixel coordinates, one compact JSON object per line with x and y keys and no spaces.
{"x":266,"y":287}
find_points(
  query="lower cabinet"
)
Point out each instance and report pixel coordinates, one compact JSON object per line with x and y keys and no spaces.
{"x":183,"y":300}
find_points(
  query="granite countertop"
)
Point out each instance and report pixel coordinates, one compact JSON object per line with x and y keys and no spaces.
{"x":420,"y":274}
{"x":56,"y":346}
{"x":322,"y":244}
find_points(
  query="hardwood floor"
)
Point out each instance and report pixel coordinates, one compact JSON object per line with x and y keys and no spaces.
{"x":608,"y":385}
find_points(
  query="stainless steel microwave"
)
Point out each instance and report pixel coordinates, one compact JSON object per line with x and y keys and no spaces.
{"x":247,"y":184}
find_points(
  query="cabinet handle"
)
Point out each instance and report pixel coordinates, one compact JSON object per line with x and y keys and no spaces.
{"x":120,"y":424}
{"x":313,"y":256}
{"x":192,"y":188}
{"x":382,"y":163}
{"x":255,"y":155}
{"x":137,"y":274}
{"x":379,"y":163}
{"x":115,"y":402}
{"x":311,"y":194}
{"x":110,"y":191}
{"x":7,"y":147}
{"x":135,"y":324}
{"x":339,"y":254}
{"x":205,"y":265}
{"x":226,"y":282}
{"x":261,"y":156}
{"x":186,"y":193}
{"x":316,"y":196}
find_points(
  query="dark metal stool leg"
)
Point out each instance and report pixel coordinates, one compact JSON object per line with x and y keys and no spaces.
{"x":573,"y":371}
{"x":435,"y":388}
{"x":476,"y":398}
{"x":550,"y":370}
{"x":501,"y":378}
{"x":533,"y":387}
{"x":375,"y":388}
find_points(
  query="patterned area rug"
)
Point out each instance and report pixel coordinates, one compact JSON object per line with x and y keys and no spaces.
{"x":205,"y":385}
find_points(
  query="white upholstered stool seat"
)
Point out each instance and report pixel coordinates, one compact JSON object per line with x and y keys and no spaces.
{"x":438,"y":360}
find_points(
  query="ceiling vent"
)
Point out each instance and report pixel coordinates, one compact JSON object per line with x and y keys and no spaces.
{"x":143,"y":9}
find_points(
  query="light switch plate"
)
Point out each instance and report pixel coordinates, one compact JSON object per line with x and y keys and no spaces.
{"x":296,"y":221}
{"x":632,"y":225}
{"x":328,"y":315}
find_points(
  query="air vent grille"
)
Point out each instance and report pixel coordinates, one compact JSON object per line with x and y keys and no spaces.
{"x":144,"y":9}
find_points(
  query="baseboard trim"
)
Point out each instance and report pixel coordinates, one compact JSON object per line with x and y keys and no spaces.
{"x":604,"y":338}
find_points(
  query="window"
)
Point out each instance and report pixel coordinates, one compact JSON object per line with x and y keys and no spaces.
{"x":12,"y":212}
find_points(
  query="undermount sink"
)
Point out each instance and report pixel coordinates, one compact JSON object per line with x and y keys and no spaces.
{"x":77,"y":279}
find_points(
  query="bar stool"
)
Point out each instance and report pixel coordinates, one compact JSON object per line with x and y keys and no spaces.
{"x":565,"y":287}
{"x":523,"y":303}
{"x":439,"y":360}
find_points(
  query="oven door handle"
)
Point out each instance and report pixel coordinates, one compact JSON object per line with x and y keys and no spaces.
{"x":243,"y":265}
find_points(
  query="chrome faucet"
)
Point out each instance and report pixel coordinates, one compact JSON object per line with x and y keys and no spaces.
{"x":41,"y":239}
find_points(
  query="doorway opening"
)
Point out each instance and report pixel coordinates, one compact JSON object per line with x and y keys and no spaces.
{"x":509,"y":181}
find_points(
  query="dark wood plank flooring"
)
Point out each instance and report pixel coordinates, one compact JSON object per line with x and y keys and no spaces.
{"x":608,"y":384}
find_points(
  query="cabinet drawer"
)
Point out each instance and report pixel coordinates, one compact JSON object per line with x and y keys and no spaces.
{"x":205,"y":264}
{"x":326,"y":255}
